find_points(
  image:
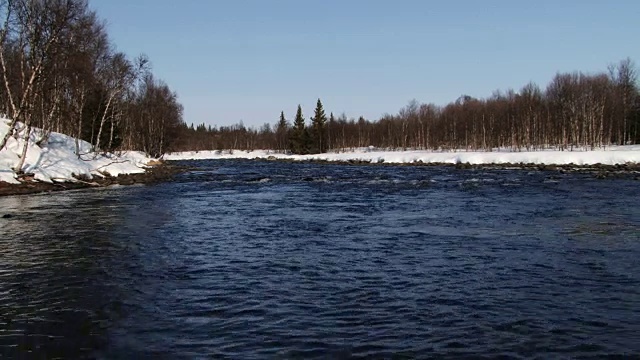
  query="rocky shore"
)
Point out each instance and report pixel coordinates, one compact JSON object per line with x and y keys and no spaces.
{"x":154,"y":174}
{"x":600,"y":171}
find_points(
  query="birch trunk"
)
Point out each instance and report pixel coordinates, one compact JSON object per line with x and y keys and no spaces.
{"x":23,"y":154}
{"x":102,"y":121}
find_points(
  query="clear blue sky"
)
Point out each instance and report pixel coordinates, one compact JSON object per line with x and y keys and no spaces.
{"x":232,"y":60}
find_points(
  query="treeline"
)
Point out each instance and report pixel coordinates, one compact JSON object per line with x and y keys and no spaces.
{"x":574,"y":110}
{"x":60,"y":72}
{"x":297,"y":138}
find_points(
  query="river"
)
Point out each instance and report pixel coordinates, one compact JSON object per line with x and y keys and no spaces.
{"x":254,"y":259}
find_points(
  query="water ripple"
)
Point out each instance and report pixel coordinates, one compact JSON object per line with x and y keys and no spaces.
{"x":271,"y":260}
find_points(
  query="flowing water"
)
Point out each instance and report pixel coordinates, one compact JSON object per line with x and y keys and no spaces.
{"x":254,"y":260}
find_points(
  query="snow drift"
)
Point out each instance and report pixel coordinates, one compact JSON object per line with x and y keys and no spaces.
{"x":56,"y":159}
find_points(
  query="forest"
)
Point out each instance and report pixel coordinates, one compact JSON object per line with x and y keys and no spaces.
{"x":61,"y":72}
{"x":575,"y":110}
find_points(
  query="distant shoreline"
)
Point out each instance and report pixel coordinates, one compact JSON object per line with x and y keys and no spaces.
{"x":600,"y":171}
{"x":612,"y":156}
{"x":460,"y":165}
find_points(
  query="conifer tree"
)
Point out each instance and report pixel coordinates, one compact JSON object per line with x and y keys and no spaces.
{"x":306,"y":141}
{"x":282,"y":124}
{"x":318,"y":130}
{"x":281,"y":132}
{"x":299,"y":135}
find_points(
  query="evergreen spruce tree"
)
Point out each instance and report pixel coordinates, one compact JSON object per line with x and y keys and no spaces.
{"x":306,"y":141}
{"x":318,"y":130}
{"x":299,"y":135}
{"x":282,"y":124}
{"x":281,"y":132}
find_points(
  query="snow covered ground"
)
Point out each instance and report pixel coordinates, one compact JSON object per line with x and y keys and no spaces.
{"x":56,"y":159}
{"x":609,"y":156}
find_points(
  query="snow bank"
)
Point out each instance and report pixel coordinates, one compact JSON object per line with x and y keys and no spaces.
{"x":609,"y":156}
{"x":56,"y":159}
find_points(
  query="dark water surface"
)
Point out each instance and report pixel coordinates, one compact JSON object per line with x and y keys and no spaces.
{"x":259,"y":260}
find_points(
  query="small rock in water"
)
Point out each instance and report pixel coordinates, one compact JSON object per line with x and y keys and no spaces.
{"x":7,"y":216}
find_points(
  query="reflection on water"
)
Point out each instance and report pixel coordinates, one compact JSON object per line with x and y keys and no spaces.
{"x":255,"y":259}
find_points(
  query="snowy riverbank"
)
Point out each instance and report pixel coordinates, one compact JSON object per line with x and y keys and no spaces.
{"x":56,"y":159}
{"x":610,"y":156}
